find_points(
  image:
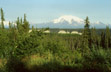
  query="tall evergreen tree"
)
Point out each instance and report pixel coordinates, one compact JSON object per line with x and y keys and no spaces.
{"x":25,"y":24}
{"x":87,"y":28}
{"x":2,"y":18}
{"x":93,"y":37}
{"x":107,"y":37}
{"x":32,"y":28}
{"x":21,"y":22}
{"x":86,"y":43}
{"x":25,"y":20}
{"x":18,"y":23}
{"x":86,"y":32}
{"x":10,"y":25}
{"x":103,"y":39}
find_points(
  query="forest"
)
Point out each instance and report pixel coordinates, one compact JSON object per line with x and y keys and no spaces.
{"x":36,"y":51}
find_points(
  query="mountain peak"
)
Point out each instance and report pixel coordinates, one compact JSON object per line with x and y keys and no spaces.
{"x":69,"y":19}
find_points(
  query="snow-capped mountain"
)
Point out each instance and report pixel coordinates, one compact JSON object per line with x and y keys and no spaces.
{"x":69,"y":21}
{"x":99,"y":24}
{"x":68,"y":18}
{"x":66,"y":21}
{"x":6,"y":23}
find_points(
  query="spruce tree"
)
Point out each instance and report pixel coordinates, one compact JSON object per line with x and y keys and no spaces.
{"x":19,"y":26}
{"x":103,"y":40}
{"x":21,"y":22}
{"x":2,"y":18}
{"x":86,"y":32}
{"x":107,"y":37}
{"x":87,"y":28}
{"x":32,"y":28}
{"x":10,"y":25}
{"x":93,"y":37}
{"x":18,"y":23}
{"x":25,"y":24}
{"x":86,"y":36}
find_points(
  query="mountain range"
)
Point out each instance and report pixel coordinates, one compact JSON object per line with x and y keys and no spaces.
{"x":69,"y":21}
{"x":66,"y":21}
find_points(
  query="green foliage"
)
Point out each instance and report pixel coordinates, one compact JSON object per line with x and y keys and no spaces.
{"x":4,"y":43}
{"x":107,"y":38}
{"x":29,"y":45}
{"x":25,"y":24}
{"x":98,"y":59}
{"x":2,"y":18}
{"x":54,"y":44}
{"x":86,"y":36}
{"x":22,"y":50}
{"x":86,"y":32}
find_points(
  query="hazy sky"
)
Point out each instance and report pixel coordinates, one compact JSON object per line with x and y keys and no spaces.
{"x":46,"y":10}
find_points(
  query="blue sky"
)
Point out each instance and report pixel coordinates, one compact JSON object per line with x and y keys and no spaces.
{"x":39,"y":11}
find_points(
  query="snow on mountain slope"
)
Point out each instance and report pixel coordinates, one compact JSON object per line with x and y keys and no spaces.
{"x":68,"y":18}
{"x":69,"y":21}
